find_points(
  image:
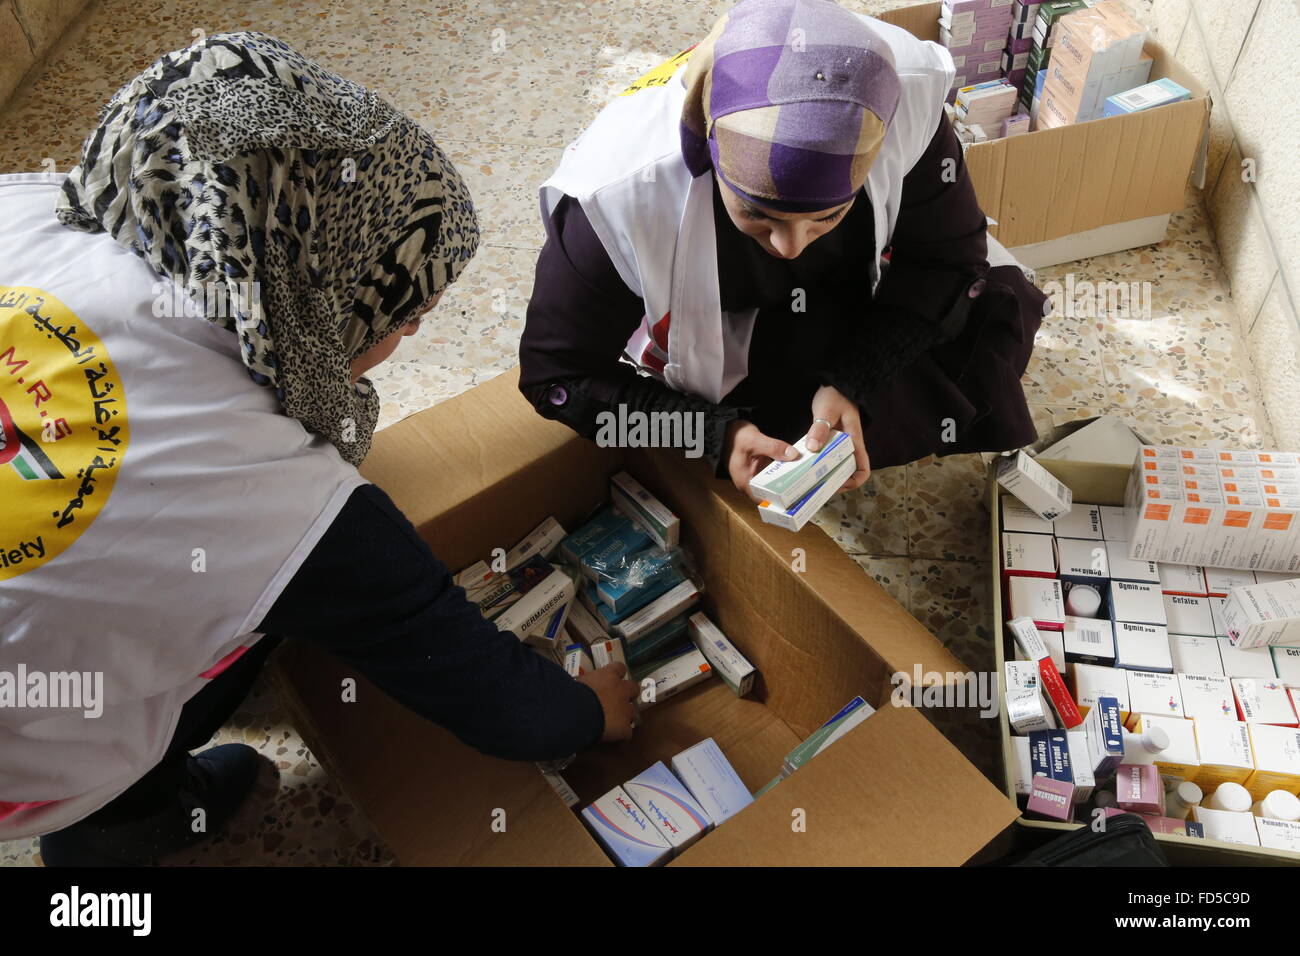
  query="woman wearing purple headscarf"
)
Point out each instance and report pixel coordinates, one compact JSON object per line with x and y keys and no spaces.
{"x":775,"y":232}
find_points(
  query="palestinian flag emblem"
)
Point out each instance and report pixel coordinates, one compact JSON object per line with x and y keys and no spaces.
{"x":20,"y":452}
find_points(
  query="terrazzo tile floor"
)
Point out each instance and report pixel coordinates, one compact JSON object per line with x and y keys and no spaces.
{"x":504,"y":84}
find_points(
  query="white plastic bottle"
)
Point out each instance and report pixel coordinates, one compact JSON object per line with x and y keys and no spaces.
{"x":1082,"y":600}
{"x":1184,"y":797}
{"x":1230,"y":796}
{"x":1278,"y":805}
{"x":1145,"y":747}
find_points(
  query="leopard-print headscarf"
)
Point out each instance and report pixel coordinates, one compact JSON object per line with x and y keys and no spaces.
{"x":239,"y":161}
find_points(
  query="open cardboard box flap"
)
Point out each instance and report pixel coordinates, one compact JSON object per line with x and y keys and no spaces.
{"x":480,"y":471}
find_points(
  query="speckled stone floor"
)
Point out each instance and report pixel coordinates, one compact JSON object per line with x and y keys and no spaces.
{"x":504,"y":84}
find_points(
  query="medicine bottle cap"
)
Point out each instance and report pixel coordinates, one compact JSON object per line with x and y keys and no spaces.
{"x":1155,"y":740}
{"x":1189,"y":794}
{"x":1083,"y":601}
{"x":1280,"y":805}
{"x":1231,"y":796}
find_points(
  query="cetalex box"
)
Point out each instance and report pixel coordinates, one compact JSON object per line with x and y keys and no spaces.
{"x":1193,"y":654}
{"x":1189,"y":615}
{"x":1286,"y":661}
{"x":667,"y":803}
{"x":625,"y":831}
{"x":1207,"y":697}
{"x":1040,"y":491}
{"x":712,"y":781}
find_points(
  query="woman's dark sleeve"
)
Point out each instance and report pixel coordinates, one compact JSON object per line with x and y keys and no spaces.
{"x":580,"y":318}
{"x":938,"y":251}
{"x":373,"y":594}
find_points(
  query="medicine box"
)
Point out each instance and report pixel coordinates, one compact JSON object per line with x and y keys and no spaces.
{"x":1018,"y":518}
{"x":1180,"y":760}
{"x":711,"y":781}
{"x":1224,"y":746}
{"x":1082,"y":521}
{"x":1276,"y":755}
{"x":1089,"y":641}
{"x":1154,"y":693}
{"x":632,"y":498}
{"x":798,"y":514}
{"x":1039,"y":599}
{"x":1090,"y":683}
{"x":1082,"y":560}
{"x":667,"y":803}
{"x":1189,"y":615}
{"x":625,"y":830}
{"x":729,"y":664}
{"x":785,"y":482}
{"x":663,"y":679}
{"x":1207,"y":697}
{"x":853,"y":713}
{"x":1136,"y":603}
{"x":1250,"y":662}
{"x":1033,"y":555}
{"x":1143,"y":647}
{"x":1041,"y":492}
{"x":1193,"y":654}
{"x":1263,"y":700}
{"x":1227,"y":826}
{"x":1124,"y":568}
{"x":1186,"y":579}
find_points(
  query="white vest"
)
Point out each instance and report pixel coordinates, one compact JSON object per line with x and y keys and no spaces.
{"x":154,"y":503}
{"x":656,"y":221}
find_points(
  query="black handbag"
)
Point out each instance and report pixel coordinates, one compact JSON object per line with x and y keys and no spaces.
{"x":1126,"y":841}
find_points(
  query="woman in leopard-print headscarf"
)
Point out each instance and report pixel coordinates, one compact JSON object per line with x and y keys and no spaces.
{"x":240,"y":167}
{"x":240,"y":163}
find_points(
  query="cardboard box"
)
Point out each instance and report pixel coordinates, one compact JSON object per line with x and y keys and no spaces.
{"x":1106,"y":484}
{"x":817,"y":637}
{"x":1111,"y":171}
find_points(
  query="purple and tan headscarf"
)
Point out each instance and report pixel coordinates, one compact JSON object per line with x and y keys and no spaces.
{"x":789,"y":101}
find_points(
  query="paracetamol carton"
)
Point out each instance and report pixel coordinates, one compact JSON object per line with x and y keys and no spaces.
{"x":853,"y":713}
{"x":631,"y":497}
{"x":1039,"y":491}
{"x":667,"y":803}
{"x":712,"y":781}
{"x":729,"y":664}
{"x":798,"y":514}
{"x":625,"y":830}
{"x":785,"y":482}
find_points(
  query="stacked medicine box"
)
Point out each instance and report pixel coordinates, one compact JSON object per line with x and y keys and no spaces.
{"x":1151,"y":638}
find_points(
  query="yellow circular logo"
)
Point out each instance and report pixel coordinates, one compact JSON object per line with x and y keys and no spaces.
{"x":63,"y":428}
